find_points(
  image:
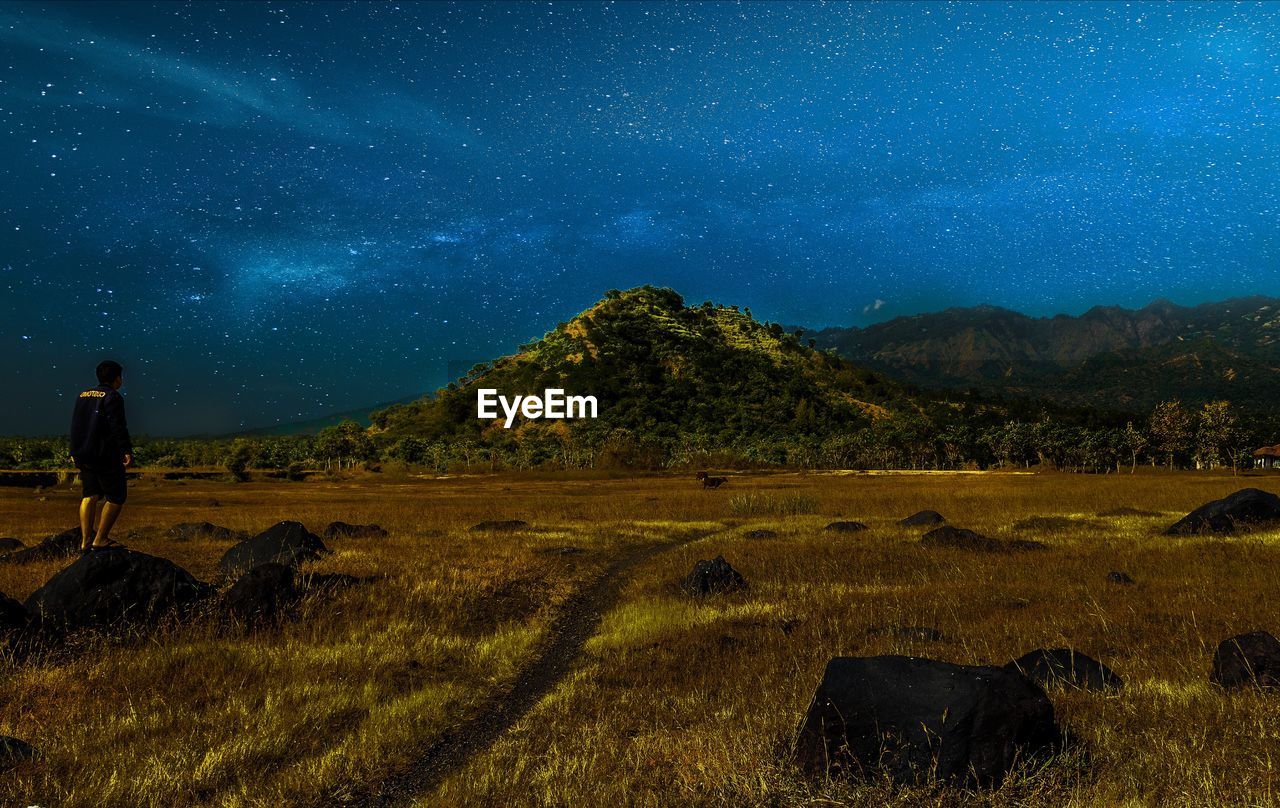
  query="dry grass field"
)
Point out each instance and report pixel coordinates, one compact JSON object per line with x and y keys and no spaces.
{"x":670,"y":701}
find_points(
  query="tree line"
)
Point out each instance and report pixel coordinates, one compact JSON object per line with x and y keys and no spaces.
{"x":1173,"y":435}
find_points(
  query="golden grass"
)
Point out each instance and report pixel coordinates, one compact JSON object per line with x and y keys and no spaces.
{"x":672,"y":701}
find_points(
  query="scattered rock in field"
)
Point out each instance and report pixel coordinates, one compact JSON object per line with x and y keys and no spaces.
{"x":845,"y":527}
{"x":51,"y":548}
{"x":342,"y":530}
{"x":1127,"y":511}
{"x":1251,"y":659}
{"x":1053,"y":523}
{"x":566,"y":550}
{"x":960,"y":538}
{"x":111,"y":586}
{"x":262,"y":594}
{"x":8,"y":545}
{"x":1066,"y":667}
{"x":760,"y":534}
{"x":923,"y":519}
{"x":713,"y":577}
{"x":920,"y":720}
{"x":284,"y":543}
{"x":188,"y":531}
{"x":1246,"y":508}
{"x":14,"y":751}
{"x":909,"y":633}
{"x":498,"y":525}
{"x":13,"y":615}
{"x":1122,"y":578}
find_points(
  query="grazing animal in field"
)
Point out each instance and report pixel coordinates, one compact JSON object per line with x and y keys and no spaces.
{"x":711,"y":482}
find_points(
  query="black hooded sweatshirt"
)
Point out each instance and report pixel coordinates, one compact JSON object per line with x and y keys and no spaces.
{"x":99,"y":433}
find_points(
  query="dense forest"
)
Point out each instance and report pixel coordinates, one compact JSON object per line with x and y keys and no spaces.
{"x":708,"y":386}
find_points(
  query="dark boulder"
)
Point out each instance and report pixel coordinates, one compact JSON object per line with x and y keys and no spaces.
{"x":283,"y":543}
{"x":208,"y":531}
{"x":8,"y":545}
{"x":262,"y":594}
{"x":845,"y":527}
{"x":499,"y":525}
{"x":1246,"y":508}
{"x":760,"y":534}
{"x":61,"y":545}
{"x":923,"y":519}
{"x":112,"y":586}
{"x":13,"y":615}
{"x":342,"y":530}
{"x":1067,"y":668}
{"x":713,"y":577}
{"x":920,"y":720}
{"x":960,"y":538}
{"x":1122,"y":578}
{"x":1251,"y":659}
{"x":14,"y":751}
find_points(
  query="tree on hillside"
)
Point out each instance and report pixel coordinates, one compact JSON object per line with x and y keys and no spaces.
{"x":1172,"y":430}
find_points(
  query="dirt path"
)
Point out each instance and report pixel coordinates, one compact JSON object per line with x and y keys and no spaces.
{"x":578,"y":619}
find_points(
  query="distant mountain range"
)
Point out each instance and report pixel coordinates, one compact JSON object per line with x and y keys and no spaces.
{"x":1109,"y":357}
{"x":662,"y":369}
{"x":708,"y":375}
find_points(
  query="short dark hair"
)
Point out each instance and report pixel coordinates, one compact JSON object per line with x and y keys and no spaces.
{"x":109,"y":370}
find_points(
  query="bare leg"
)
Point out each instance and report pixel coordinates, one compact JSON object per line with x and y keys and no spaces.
{"x":110,"y":511}
{"x":88,"y":515}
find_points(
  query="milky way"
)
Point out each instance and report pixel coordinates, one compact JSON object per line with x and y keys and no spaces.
{"x":270,"y":211}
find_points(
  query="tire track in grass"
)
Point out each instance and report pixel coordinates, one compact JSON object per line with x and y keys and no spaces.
{"x":577,"y":621}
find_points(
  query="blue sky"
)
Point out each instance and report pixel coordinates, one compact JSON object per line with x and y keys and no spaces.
{"x":268,"y":211}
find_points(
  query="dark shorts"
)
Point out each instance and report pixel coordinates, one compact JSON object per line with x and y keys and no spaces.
{"x":109,"y":483}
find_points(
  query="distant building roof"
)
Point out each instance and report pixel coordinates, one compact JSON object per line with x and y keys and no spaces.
{"x":1267,"y":451}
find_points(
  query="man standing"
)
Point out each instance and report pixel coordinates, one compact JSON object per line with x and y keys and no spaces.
{"x":101,"y":448}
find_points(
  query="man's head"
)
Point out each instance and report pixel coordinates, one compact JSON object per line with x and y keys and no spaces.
{"x":111,"y":372}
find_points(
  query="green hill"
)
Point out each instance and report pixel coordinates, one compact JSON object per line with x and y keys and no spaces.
{"x":664,"y":370}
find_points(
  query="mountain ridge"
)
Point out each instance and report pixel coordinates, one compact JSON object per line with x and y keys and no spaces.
{"x":1000,"y":350}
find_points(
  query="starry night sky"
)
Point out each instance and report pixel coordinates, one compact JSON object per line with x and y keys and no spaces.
{"x":270,"y":211}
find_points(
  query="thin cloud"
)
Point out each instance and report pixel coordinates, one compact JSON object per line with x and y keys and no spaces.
{"x":187,"y":90}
